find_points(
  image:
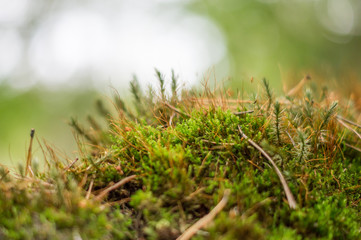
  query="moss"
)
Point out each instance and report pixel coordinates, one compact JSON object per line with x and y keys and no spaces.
{"x":184,"y":156}
{"x":40,"y":215}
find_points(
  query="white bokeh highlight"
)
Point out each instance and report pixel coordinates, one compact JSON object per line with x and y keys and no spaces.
{"x":13,"y":12}
{"x":10,"y":51}
{"x":133,"y":41}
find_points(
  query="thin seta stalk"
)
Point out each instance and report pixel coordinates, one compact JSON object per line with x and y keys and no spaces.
{"x":29,"y":156}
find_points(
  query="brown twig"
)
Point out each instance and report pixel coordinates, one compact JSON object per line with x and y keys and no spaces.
{"x":28,"y":159}
{"x":347,"y":144}
{"x":348,"y":121}
{"x":258,"y":167}
{"x":177,"y":110}
{"x":290,"y":137}
{"x":349,"y":128}
{"x":353,"y":147}
{"x":70,"y":165}
{"x":254,"y":208}
{"x":244,"y":112}
{"x":193,"y":194}
{"x":90,"y":189}
{"x":171,"y":119}
{"x":119,"y":202}
{"x":291,"y":200}
{"x":299,"y":86}
{"x":204,"y":221}
{"x":113,"y":187}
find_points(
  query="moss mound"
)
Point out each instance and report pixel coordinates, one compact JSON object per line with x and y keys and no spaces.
{"x":201,"y":166}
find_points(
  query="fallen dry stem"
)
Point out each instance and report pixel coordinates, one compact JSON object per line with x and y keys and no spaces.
{"x":70,"y":165}
{"x":291,"y":200}
{"x":348,"y":121}
{"x":298,"y":87}
{"x":244,"y":112}
{"x":90,"y":189}
{"x":204,"y":221}
{"x":349,"y":128}
{"x":119,"y":202}
{"x":190,"y":196}
{"x":290,"y":137}
{"x":113,"y":187}
{"x":253,"y":209}
{"x":176,"y":110}
{"x":353,"y":147}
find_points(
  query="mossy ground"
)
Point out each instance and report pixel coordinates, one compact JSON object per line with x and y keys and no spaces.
{"x":177,"y":156}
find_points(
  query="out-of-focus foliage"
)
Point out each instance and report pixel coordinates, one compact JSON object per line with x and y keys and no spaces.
{"x":271,"y":37}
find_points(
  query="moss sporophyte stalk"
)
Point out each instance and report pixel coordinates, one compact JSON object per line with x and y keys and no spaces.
{"x":197,"y":165}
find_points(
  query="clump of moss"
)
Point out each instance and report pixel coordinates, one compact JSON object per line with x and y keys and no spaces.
{"x":55,"y":208}
{"x":163,"y":168}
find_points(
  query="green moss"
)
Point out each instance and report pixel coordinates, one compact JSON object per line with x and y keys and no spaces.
{"x":184,"y":156}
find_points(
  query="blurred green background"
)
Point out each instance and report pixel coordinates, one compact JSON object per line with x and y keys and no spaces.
{"x":48,"y":112}
{"x":274,"y":37}
{"x":58,"y":57}
{"x":267,"y":37}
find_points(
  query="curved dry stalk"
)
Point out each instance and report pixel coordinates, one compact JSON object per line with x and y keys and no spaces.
{"x":290,"y":137}
{"x":349,"y":128}
{"x":348,"y":121}
{"x":113,"y":187}
{"x":291,"y":200}
{"x":253,"y":209}
{"x":204,"y":221}
{"x":298,"y":87}
{"x":70,"y":165}
{"x":353,"y":147}
{"x":176,"y":109}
